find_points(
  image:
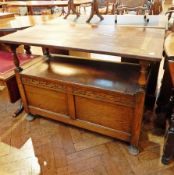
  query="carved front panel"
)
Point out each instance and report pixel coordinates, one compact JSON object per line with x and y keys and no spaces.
{"x":114,"y":97}
{"x":44,"y":83}
{"x":46,"y":99}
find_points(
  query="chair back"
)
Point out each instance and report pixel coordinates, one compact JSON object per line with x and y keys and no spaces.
{"x":131,"y":3}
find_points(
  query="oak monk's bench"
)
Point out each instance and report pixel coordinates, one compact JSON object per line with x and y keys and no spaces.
{"x":99,"y":96}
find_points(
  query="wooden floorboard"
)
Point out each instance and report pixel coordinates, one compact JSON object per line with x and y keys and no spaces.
{"x":47,"y":147}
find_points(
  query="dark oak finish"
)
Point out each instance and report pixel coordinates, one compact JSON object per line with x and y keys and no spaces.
{"x":163,"y":110}
{"x":168,"y":151}
{"x":73,"y":91}
{"x":165,"y":101}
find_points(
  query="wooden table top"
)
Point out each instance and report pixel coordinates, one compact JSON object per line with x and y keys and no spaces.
{"x":44,"y":3}
{"x":139,"y":43}
{"x":6,"y":15}
{"x":20,"y":22}
{"x":155,"y":21}
{"x":169,"y":45}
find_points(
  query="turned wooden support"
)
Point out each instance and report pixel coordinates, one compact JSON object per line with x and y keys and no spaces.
{"x":71,"y":7}
{"x":30,"y":10}
{"x":27,"y":49}
{"x":19,"y":110}
{"x":94,"y":11}
{"x":143,"y":73}
{"x":46,"y":52}
{"x":63,"y":12}
{"x":168,"y":151}
{"x":15,"y":57}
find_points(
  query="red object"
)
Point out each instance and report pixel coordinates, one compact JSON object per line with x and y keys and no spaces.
{"x":6,"y":61}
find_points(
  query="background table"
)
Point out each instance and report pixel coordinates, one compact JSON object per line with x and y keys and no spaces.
{"x":21,"y":22}
{"x":6,"y":15}
{"x":155,"y":21}
{"x":31,"y":4}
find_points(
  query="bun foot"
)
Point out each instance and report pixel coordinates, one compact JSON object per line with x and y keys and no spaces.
{"x":133,"y":150}
{"x":165,"y":161}
{"x":18,"y":111}
{"x":30,"y":117}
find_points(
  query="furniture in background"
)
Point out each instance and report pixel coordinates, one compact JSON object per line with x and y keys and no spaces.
{"x":71,"y":4}
{"x":169,"y":14}
{"x":168,"y":150}
{"x":6,"y":15}
{"x":163,"y":109}
{"x":7,"y":75}
{"x":107,"y":6}
{"x":156,"y":7}
{"x":20,"y":22}
{"x":138,"y":6}
{"x":34,"y":4}
{"x":165,"y":101}
{"x":95,"y":11}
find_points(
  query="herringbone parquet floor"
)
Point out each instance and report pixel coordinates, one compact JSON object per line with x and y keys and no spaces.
{"x":47,"y":147}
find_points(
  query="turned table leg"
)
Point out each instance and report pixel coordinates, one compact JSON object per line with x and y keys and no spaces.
{"x":71,"y":7}
{"x":15,"y":57}
{"x":94,"y":11}
{"x":18,"y":69}
{"x":143,"y":73}
{"x":30,"y":10}
{"x":30,"y":117}
{"x":168,"y":151}
{"x":19,"y":110}
{"x":139,"y":108}
{"x":27,"y":49}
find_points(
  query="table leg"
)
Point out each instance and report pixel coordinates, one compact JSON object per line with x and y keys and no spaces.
{"x":15,"y":57}
{"x":27,"y":49}
{"x":151,"y":88}
{"x":30,"y":10}
{"x":143,"y":73}
{"x":168,"y":151}
{"x":4,"y":8}
{"x":18,"y":69}
{"x":19,"y":110}
{"x":94,"y":11}
{"x":63,"y":12}
{"x":71,"y":7}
